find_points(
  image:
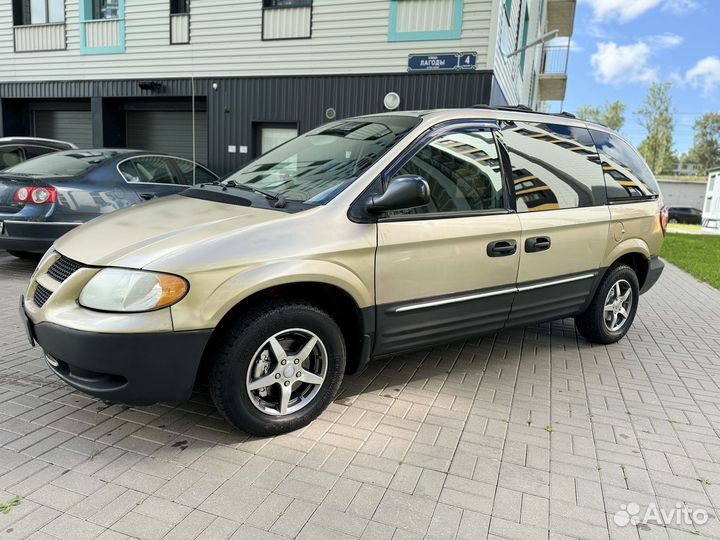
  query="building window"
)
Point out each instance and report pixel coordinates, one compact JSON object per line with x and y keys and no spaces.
{"x":286,"y":19}
{"x":105,"y":9}
{"x":27,"y":12}
{"x":525,"y":30}
{"x":286,"y":3}
{"x":271,"y":135}
{"x":102,"y":26}
{"x":179,"y":22}
{"x":425,"y":20}
{"x":179,"y":7}
{"x":508,"y":9}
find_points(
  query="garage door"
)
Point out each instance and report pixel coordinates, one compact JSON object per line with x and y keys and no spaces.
{"x":169,"y":132}
{"x":71,"y":126}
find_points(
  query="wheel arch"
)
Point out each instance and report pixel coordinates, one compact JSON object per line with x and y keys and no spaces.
{"x":343,"y":307}
{"x":634,"y":253}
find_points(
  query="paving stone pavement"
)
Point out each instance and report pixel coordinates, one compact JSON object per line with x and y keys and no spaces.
{"x":528,"y":434}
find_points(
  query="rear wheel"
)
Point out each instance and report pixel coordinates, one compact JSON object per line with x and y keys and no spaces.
{"x":25,"y":255}
{"x":277,"y":368}
{"x":612,"y":310}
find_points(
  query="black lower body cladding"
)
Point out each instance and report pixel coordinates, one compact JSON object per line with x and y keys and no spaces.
{"x":136,"y":369}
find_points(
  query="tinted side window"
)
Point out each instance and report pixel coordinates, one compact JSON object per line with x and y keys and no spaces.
{"x":9,"y":156}
{"x":200,"y":176}
{"x":463,"y":171}
{"x":35,"y":151}
{"x":149,"y":169}
{"x":626,"y":174}
{"x":553,"y":166}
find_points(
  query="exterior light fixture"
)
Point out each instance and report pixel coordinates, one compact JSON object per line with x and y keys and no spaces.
{"x":391,"y":101}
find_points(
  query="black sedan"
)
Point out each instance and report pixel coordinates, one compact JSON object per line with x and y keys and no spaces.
{"x":684,"y":214}
{"x":43,"y":198}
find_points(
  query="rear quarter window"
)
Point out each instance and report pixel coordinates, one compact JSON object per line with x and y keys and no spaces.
{"x":626,"y":175}
{"x":554,"y":166}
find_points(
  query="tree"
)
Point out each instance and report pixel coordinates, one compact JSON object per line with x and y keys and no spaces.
{"x":611,"y":115}
{"x":656,"y":117}
{"x":706,"y":145}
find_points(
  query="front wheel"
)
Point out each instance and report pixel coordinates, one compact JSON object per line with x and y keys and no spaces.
{"x":278,"y":368}
{"x":612,"y":310}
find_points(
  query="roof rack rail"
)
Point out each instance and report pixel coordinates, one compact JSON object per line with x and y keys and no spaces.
{"x":522,"y":108}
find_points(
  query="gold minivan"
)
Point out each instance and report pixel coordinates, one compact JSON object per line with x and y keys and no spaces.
{"x":362,"y":238}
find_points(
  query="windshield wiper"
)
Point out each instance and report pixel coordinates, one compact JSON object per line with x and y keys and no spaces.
{"x":279,"y":198}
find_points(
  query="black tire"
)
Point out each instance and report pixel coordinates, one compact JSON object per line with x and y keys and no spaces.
{"x":238,"y":346}
{"x":25,"y":255}
{"x":592,"y":323}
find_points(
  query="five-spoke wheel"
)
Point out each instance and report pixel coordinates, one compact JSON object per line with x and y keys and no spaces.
{"x":618,"y":304}
{"x":287,"y":371}
{"x":277,"y":367}
{"x":612,"y":310}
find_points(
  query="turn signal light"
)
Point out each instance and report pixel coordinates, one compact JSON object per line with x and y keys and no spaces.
{"x":664,"y":220}
{"x":36,"y":195}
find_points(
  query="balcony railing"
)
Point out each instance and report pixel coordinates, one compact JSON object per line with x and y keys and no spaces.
{"x":555,"y":60}
{"x":179,"y":28}
{"x":552,"y":81}
{"x":40,"y":37}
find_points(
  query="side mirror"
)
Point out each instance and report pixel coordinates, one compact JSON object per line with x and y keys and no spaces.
{"x":402,"y":192}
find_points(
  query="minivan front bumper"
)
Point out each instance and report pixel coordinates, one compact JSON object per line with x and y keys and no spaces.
{"x":136,"y":369}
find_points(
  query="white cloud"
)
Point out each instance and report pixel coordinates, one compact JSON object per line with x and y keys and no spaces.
{"x":627,"y":10}
{"x":705,"y":74}
{"x":620,"y":64}
{"x":615,"y":64}
{"x":680,"y":7}
{"x":664,"y":41}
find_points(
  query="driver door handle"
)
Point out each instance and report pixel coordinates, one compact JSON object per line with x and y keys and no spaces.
{"x":502,"y":248}
{"x":147,"y":196}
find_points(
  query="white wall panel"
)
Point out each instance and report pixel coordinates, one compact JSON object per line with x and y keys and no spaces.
{"x":180,"y":28}
{"x":425,"y":15}
{"x":285,"y":23}
{"x":102,"y":33}
{"x":45,"y":37}
{"x":347,"y":37}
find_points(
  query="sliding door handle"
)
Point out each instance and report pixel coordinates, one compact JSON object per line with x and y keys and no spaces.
{"x":539,"y":243}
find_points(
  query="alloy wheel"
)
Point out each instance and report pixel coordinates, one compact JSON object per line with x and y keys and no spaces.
{"x":618,"y":305}
{"x":287,"y":372}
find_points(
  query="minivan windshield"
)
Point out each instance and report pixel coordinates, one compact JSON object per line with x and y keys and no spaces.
{"x":316,"y":166}
{"x":68,"y":163}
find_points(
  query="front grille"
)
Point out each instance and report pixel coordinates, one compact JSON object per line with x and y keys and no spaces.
{"x":63,"y":268}
{"x":41,"y":295}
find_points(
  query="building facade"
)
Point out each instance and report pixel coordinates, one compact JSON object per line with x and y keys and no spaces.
{"x":682,"y":192}
{"x":222,"y":81}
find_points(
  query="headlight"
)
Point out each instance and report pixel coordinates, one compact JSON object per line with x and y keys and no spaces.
{"x":120,"y":290}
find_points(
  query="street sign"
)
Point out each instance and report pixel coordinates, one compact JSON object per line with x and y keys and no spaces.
{"x":467,"y":60}
{"x":442,"y":61}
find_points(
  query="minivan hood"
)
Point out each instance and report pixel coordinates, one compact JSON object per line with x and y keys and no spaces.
{"x":137,"y":236}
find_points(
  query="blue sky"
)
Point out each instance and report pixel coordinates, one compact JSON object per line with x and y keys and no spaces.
{"x":621,"y":46}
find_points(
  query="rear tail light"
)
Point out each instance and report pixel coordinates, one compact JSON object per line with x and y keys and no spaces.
{"x":39,"y":195}
{"x":664,"y":220}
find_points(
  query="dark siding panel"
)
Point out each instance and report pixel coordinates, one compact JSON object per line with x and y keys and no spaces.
{"x":238,"y":102}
